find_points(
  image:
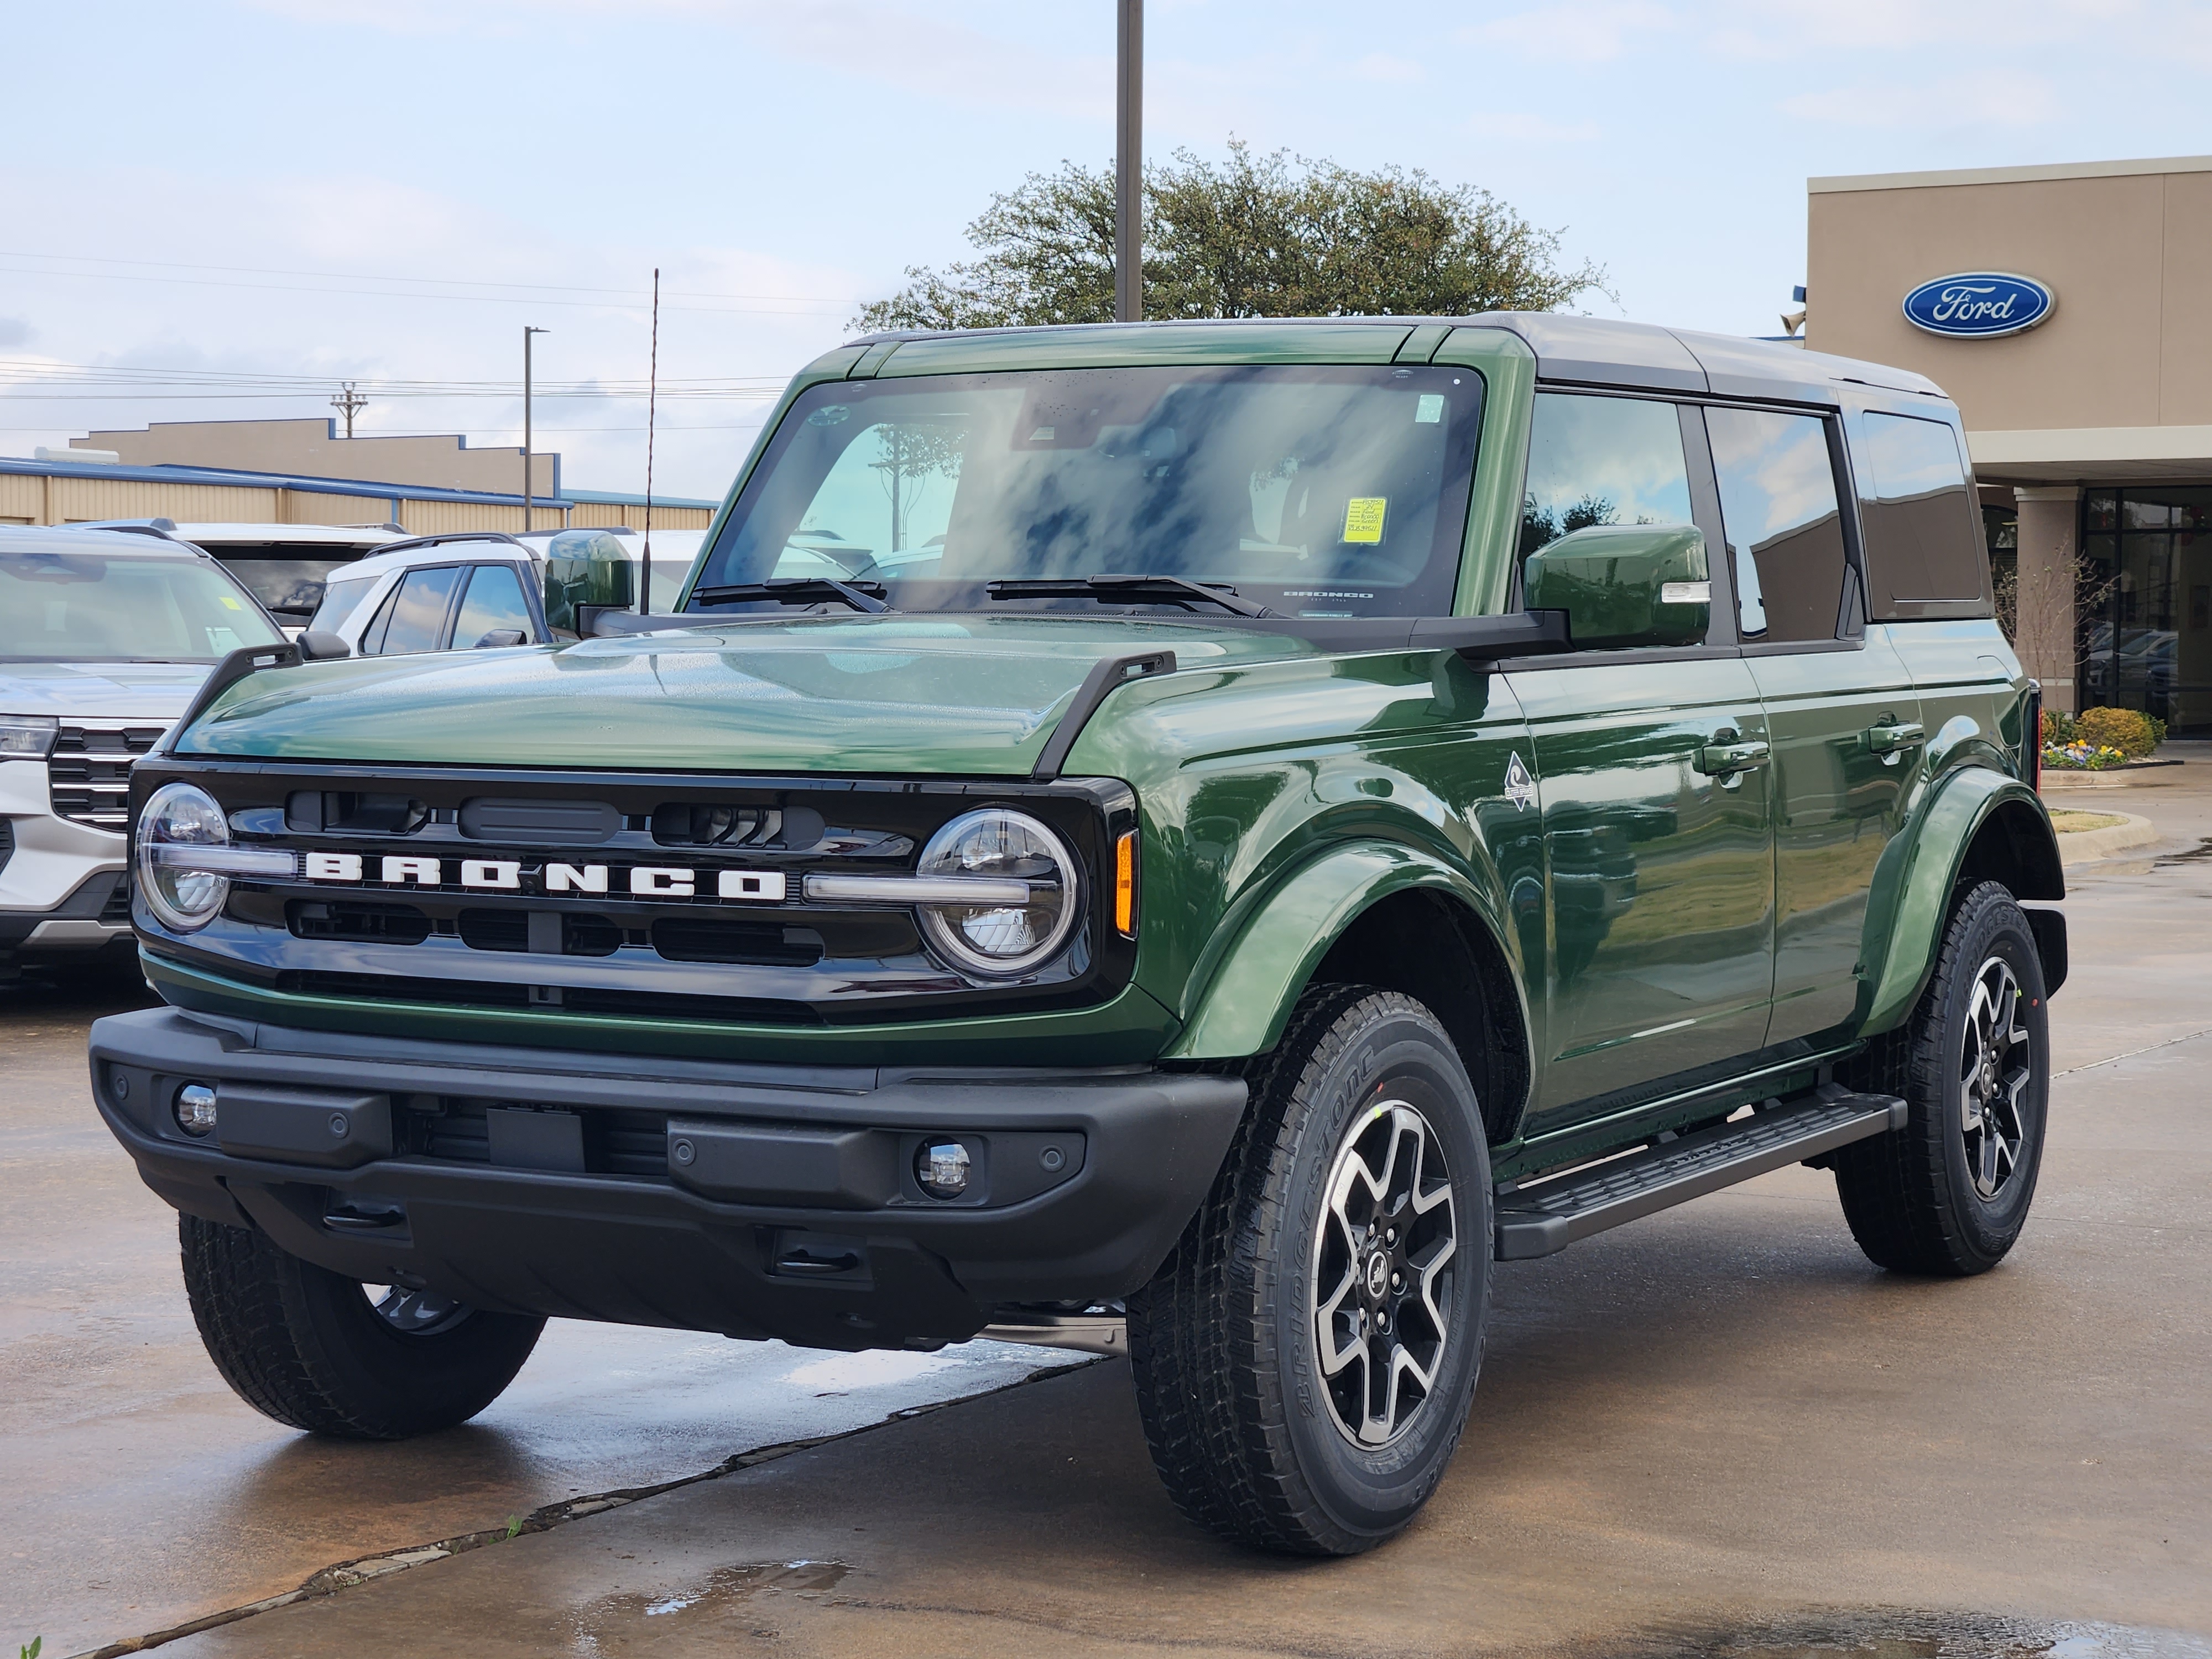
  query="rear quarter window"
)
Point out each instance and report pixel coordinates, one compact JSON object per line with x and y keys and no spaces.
{"x":1923,"y":543}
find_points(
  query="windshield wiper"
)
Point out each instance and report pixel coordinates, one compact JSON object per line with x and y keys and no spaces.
{"x":798,"y":590}
{"x":1172,"y":590}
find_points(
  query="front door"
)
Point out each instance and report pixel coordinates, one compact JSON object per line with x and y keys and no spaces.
{"x":1655,"y":794}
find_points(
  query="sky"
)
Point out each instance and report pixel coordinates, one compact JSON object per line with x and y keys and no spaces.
{"x":222,"y":210}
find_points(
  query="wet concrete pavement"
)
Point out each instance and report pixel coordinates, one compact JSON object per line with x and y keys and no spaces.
{"x":142,"y":1493}
{"x":1715,"y":1430}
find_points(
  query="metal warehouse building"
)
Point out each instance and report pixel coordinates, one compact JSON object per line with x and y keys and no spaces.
{"x":299,"y":471}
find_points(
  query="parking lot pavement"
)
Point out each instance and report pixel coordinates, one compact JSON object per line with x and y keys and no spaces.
{"x":1716,"y":1428}
{"x":142,"y":1493}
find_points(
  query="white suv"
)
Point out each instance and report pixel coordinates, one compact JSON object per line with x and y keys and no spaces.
{"x":283,"y":564}
{"x":104,"y":637}
{"x":475,"y":587}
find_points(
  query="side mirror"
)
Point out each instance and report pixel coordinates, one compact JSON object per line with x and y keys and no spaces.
{"x":587,"y":571}
{"x":319,"y":646}
{"x":1625,"y":584}
{"x":500,"y":637}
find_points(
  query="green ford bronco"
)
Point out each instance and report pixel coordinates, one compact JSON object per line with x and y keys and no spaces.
{"x":1188,"y":840}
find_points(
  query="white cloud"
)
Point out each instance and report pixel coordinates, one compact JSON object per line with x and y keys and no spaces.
{"x":1793,"y":28}
{"x":1579,"y":30}
{"x":910,"y":45}
{"x":1382,"y":66}
{"x":1985,"y":98}
{"x":1522,"y":128}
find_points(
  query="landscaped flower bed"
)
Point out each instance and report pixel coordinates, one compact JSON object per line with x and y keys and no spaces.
{"x":2099,"y":739}
{"x":2081,"y":757}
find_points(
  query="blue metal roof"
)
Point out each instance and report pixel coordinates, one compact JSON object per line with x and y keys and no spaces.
{"x":314,"y":486}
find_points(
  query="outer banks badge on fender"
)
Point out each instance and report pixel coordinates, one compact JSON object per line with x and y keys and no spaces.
{"x":1520,"y":787}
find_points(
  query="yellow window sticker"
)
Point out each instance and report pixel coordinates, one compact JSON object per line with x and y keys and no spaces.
{"x":1362,"y":517}
{"x":230,"y":602}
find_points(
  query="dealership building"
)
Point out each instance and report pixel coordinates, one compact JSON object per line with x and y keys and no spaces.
{"x":2069,"y":311}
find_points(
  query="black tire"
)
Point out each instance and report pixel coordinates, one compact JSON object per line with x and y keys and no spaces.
{"x":1243,"y":1423}
{"x":307,"y":1347}
{"x":1921,"y":1199}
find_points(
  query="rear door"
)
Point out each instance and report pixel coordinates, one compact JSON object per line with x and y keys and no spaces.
{"x":1660,"y":864}
{"x":1841,"y":714}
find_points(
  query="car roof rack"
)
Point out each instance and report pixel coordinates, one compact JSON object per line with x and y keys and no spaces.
{"x":509,"y":536}
{"x":440,"y":539}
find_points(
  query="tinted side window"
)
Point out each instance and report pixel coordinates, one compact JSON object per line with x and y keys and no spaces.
{"x":1785,"y":531}
{"x":493,"y":601}
{"x":1920,"y":536}
{"x":416,"y":615}
{"x":1602,"y":460}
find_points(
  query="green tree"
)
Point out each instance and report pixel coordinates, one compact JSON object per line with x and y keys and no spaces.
{"x":1273,"y":236}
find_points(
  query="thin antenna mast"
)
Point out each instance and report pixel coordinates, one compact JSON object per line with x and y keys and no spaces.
{"x":652,"y":394}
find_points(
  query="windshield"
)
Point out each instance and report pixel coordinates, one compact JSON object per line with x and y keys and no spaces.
{"x":1316,"y":491}
{"x":338,"y":601}
{"x":87,"y":607}
{"x":287,"y":579}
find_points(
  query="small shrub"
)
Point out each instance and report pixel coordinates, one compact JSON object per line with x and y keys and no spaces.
{"x":2127,"y":730}
{"x":2058,"y":728}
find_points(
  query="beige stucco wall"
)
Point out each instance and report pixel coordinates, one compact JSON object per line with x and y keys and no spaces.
{"x":2128,"y":253}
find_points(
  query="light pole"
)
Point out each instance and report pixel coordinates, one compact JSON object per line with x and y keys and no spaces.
{"x":1129,"y":164}
{"x":526,"y":333}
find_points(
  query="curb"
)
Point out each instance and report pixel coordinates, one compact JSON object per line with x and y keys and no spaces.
{"x":2119,"y":777}
{"x":2088,"y":846}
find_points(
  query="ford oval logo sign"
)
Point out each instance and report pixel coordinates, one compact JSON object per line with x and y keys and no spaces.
{"x":1978,"y":305}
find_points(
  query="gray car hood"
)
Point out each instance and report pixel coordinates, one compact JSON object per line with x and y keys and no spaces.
{"x":145,"y":693}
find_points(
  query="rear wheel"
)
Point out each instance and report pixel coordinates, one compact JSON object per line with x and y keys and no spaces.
{"x":1305,"y":1358}
{"x":325,"y":1354}
{"x":1949,"y":1193}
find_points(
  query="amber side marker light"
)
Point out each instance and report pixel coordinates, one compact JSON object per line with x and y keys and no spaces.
{"x":1125,"y":884}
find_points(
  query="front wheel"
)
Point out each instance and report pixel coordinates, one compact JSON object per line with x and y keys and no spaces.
{"x":1305,"y":1357}
{"x":1948,"y":1193}
{"x":322,"y":1353}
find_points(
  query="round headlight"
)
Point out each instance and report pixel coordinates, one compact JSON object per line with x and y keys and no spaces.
{"x":999,"y":939}
{"x":180,"y":814}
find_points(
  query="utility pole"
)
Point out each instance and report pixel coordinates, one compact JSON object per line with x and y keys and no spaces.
{"x":1129,"y":164}
{"x":350,"y":403}
{"x":526,"y":333}
{"x":652,"y":396}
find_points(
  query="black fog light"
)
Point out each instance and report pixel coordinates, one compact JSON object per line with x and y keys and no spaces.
{"x":940,"y":1168}
{"x":195,"y":1109}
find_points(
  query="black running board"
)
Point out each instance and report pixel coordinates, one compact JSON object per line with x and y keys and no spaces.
{"x":1548,"y":1215}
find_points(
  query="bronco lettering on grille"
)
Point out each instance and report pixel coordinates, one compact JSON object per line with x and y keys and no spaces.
{"x":653,"y":881}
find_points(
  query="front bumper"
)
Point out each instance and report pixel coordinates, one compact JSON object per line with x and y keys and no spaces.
{"x":752,"y":1199}
{"x":94,"y":915}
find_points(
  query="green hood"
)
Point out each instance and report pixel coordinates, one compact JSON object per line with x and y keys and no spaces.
{"x":891,"y":694}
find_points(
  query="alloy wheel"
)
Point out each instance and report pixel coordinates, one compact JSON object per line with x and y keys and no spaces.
{"x":414,"y":1312}
{"x":1995,"y":1064}
{"x":1383,"y":1261}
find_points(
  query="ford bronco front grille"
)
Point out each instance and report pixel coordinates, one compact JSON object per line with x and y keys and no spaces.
{"x":647,"y":895}
{"x":88,"y":774}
